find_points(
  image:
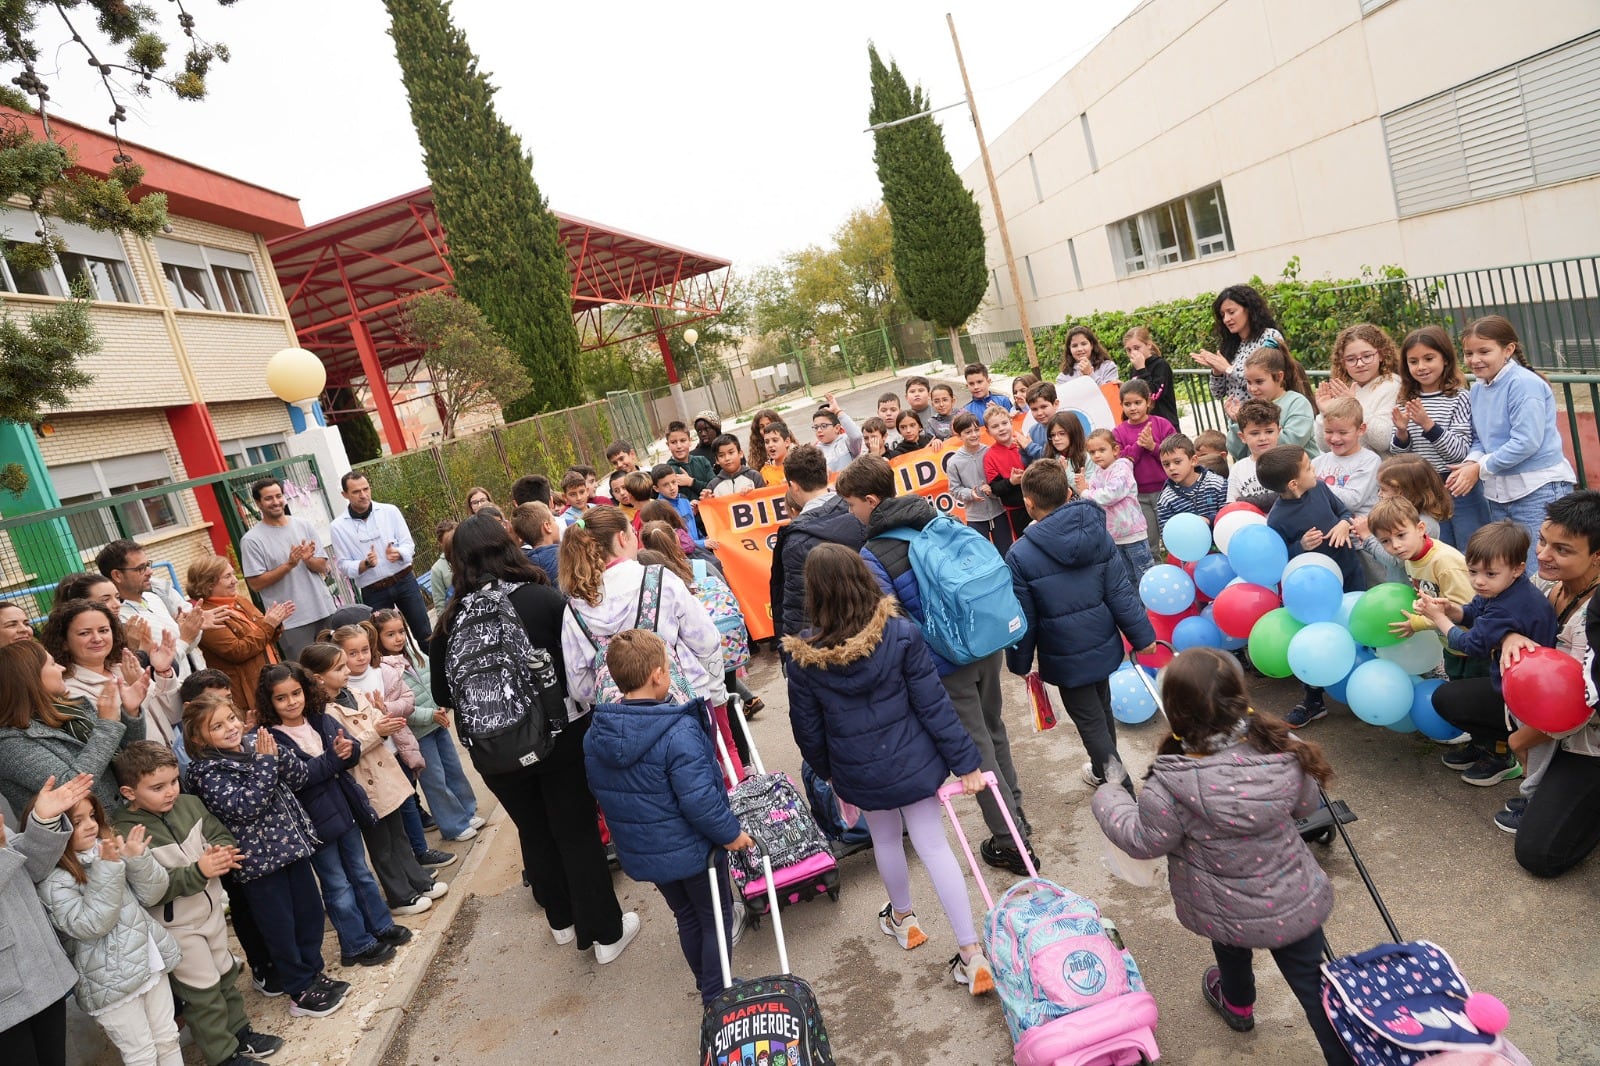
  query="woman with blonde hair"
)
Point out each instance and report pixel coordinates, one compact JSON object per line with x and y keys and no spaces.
{"x":245,"y":643}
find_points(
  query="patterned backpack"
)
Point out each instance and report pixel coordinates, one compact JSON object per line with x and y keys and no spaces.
{"x":646,"y":617}
{"x":771,"y":809}
{"x":718,"y":599}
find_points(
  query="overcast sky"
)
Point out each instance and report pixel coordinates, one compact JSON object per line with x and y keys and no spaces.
{"x":728,"y":128}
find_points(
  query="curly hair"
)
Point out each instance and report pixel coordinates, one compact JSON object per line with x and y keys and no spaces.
{"x":1378,"y":337}
{"x":586,"y":549}
{"x":1255,"y":309}
{"x":756,"y":454}
{"x":62,"y":615}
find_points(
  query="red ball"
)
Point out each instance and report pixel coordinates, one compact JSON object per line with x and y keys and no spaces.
{"x":1238,"y":607}
{"x":1544,"y":689}
{"x":1237,"y":505}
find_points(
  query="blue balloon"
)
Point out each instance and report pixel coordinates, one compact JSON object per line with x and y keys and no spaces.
{"x":1258,"y":555}
{"x":1346,"y":605}
{"x":1212,"y":573}
{"x":1197,"y":632}
{"x":1380,"y":692}
{"x":1322,"y":654}
{"x":1188,"y":536}
{"x":1228,"y":643}
{"x":1426,"y":718}
{"x":1166,"y":589}
{"x":1336,"y":690}
{"x":1312,"y":594}
{"x":1131,"y":702}
{"x":1404,"y":725}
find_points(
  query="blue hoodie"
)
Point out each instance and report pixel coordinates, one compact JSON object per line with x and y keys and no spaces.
{"x":547,"y":558}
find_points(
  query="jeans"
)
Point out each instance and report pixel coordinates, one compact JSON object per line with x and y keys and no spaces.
{"x":1301,"y":966}
{"x":1138,"y":560}
{"x":406,"y":596}
{"x":1472,"y":511}
{"x":451,"y":800}
{"x":288,"y":908}
{"x":350,"y":893}
{"x":1528,"y":512}
{"x":411,"y":815}
{"x":690,"y":900}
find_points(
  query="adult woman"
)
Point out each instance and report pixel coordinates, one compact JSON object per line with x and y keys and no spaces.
{"x":756,"y":454}
{"x":478,"y":498}
{"x":549,"y":802}
{"x":13,"y":623}
{"x":243,"y":645}
{"x":1243,"y":324}
{"x":1365,"y":364}
{"x":45,"y":732}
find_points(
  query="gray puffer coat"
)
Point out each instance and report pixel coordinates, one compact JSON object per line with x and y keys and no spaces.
{"x":106,"y":928}
{"x":1240,"y":873}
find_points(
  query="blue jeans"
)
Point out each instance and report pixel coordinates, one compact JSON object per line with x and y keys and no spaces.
{"x":411,"y":816}
{"x":1137,"y":556}
{"x":450,"y":797}
{"x":350,"y":893}
{"x":405,"y":596}
{"x":1472,"y":511}
{"x":1528,"y":512}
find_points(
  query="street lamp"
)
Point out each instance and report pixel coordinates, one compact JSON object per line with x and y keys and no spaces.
{"x":296,"y":377}
{"x":690,"y":336}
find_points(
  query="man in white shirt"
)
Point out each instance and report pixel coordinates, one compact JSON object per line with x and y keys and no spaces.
{"x":372,"y":546}
{"x":127,"y":565}
{"x":283,"y":563}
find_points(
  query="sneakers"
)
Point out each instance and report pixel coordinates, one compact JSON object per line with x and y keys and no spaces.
{"x":375,"y":955}
{"x":1509,"y":821}
{"x":1090,"y":778}
{"x":1517,"y":804}
{"x":973,"y":972}
{"x":1492,"y":769}
{"x":433,"y":857}
{"x":564,"y":936}
{"x":428,"y":824}
{"x":318,"y":1001}
{"x":257,"y":1046}
{"x":754,"y":707}
{"x":906,"y":932}
{"x":475,"y":822}
{"x":1003,"y":855}
{"x":1304,"y":713}
{"x":1462,"y":758}
{"x":840,"y":848}
{"x":604,"y":953}
{"x":741,"y":919}
{"x":266,"y":982}
{"x":438,"y":889}
{"x":1239,"y":1019}
{"x":322,"y":980}
{"x":414,"y":905}
{"x":466,"y":834}
{"x":396,"y":934}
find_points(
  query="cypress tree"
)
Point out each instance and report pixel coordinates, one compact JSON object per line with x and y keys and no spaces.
{"x":505,"y":245}
{"x":938,"y":233}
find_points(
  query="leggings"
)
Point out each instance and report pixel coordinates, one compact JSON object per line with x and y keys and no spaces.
{"x":1562,"y":823}
{"x":39,"y":1039}
{"x":924,"y":823}
{"x":1300,"y":963}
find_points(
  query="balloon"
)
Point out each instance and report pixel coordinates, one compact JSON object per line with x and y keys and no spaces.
{"x":1426,"y":718}
{"x":1346,"y":606}
{"x":1131,"y":702}
{"x":1321,"y":654}
{"x":1258,"y":555}
{"x":1166,"y":589}
{"x":1212,"y":574}
{"x":1225,"y":528}
{"x":1269,"y":642}
{"x":1240,"y":606}
{"x":1311,"y":593}
{"x":1187,"y":536}
{"x":1238,"y":505}
{"x":1336,"y":690}
{"x":1380,"y":692}
{"x":1229,"y":643}
{"x":1379,"y":606}
{"x":1316,"y":559}
{"x":1544,"y":689}
{"x":1416,"y":654}
{"x":1404,"y":725}
{"x":1197,"y":632}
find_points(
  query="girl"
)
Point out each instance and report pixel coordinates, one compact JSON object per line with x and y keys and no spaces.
{"x":756,"y":455}
{"x":359,"y":642}
{"x":1432,"y":418}
{"x":1109,"y":482}
{"x":478,"y":498}
{"x":14,"y":623}
{"x":1273,"y":374}
{"x":1085,"y":356}
{"x":1366,"y":365}
{"x":97,"y":896}
{"x":874,"y":437}
{"x":1139,"y":436}
{"x":909,"y":426}
{"x":249,"y":787}
{"x":1243,"y":324}
{"x":408,"y":887}
{"x":292,"y":708}
{"x":1240,"y":874}
{"x":1002,"y":467}
{"x":971,"y":488}
{"x":661,"y":511}
{"x":869,"y":714}
{"x":1149,"y":366}
{"x":1019,"y":390}
{"x":85,"y":637}
{"x":1516,"y":445}
{"x":1064,"y":442}
{"x":439,"y":572}
{"x":1410,"y":477}
{"x":451,"y":801}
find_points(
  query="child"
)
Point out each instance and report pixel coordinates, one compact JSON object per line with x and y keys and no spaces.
{"x":669,"y":491}
{"x":977,"y":376}
{"x":909,"y":426}
{"x":1084,"y":356}
{"x":1042,"y":404}
{"x":619,"y":494}
{"x":944,"y":404}
{"x":1273,"y":375}
{"x":776,"y":440}
{"x":733,"y":475}
{"x":1258,"y":425}
{"x":970,"y":486}
{"x":1109,"y":482}
{"x":707,"y":427}
{"x":694,"y":473}
{"x":1190,"y":488}
{"x":918,"y":399}
{"x":621,"y":455}
{"x":1350,"y":469}
{"x":756,"y":452}
{"x":1433,"y":419}
{"x":869,"y":714}
{"x":540,"y":534}
{"x":1240,"y":874}
{"x":641,"y":489}
{"x":1079,"y":599}
{"x":1364,"y":366}
{"x":1149,"y":366}
{"x":1065,"y":444}
{"x":249,"y":787}
{"x":1409,"y":477}
{"x":1139,"y":436}
{"x":1506,"y":602}
{"x":1019,"y":390}
{"x":652,"y":766}
{"x":1003,"y":466}
{"x":875,"y":437}
{"x":1431,"y":566}
{"x":889,"y":411}
{"x":575,"y":493}
{"x":837,"y":434}
{"x":195,"y":849}
{"x":1211,"y":450}
{"x":439,"y":577}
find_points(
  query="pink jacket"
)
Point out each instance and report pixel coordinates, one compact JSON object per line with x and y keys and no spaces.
{"x":1115,"y":490}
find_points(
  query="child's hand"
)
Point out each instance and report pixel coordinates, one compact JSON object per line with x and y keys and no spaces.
{"x":1523,"y":740}
{"x":712,"y":545}
{"x":684,"y":480}
{"x":55,"y":800}
{"x":740,"y":842}
{"x":1312,"y":540}
{"x":1402,"y":420}
{"x":1403,"y":627}
{"x":705,"y":494}
{"x":1339,"y":535}
{"x":441,"y":718}
{"x":1016,"y":476}
{"x":342,"y":745}
{"x":388,"y":727}
{"x":1419,"y":414}
{"x":266,"y":744}
{"x":133,"y":844}
{"x":217,"y":860}
{"x":1230,"y":407}
{"x":1462,"y":477}
{"x":376,"y":700}
{"x":973,"y":783}
{"x":1082,"y":483}
{"x":1147,"y":439}
{"x":111,"y":849}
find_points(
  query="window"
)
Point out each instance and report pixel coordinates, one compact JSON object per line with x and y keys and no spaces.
{"x":1369,"y":6}
{"x":202,"y":278}
{"x":107,"y":478}
{"x":95,"y":259}
{"x":238,"y":290}
{"x":107,"y":279}
{"x":1179,"y":231}
{"x":186,"y":287}
{"x":253,"y":451}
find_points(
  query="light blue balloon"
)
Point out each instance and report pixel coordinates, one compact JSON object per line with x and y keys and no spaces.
{"x":1404,"y":725}
{"x":1347,"y":605}
{"x":1426,"y":718}
{"x":1228,"y":643}
{"x":1166,"y":589}
{"x":1188,"y":536}
{"x":1336,"y":690}
{"x":1380,"y":692}
{"x":1197,"y":632}
{"x":1312,"y":594}
{"x":1258,"y":555}
{"x":1131,"y":702}
{"x":1212,"y":574}
{"x":1322,"y":654}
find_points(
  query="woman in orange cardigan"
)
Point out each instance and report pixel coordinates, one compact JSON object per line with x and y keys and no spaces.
{"x":244,"y":644}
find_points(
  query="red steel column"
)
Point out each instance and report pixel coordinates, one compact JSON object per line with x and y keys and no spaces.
{"x":378,"y":385}
{"x":201,"y":453}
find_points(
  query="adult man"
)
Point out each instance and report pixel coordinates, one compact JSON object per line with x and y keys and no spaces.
{"x":373,"y":547}
{"x":126,"y":564}
{"x":816,"y":516}
{"x":284,"y":563}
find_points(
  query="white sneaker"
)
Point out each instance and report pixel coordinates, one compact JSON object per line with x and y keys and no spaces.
{"x":1089,"y":778}
{"x":475,"y":822}
{"x":741,"y":918}
{"x":466,"y":834}
{"x":973,"y":972}
{"x":604,"y":953}
{"x":439,"y":888}
{"x":906,"y":932}
{"x":417,"y":905}
{"x":565,"y":936}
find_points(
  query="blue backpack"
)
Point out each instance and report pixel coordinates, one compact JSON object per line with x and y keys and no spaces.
{"x":969,"y":610}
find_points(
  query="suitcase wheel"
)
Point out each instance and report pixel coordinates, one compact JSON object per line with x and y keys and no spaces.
{"x":833,"y":893}
{"x":1325,"y":837}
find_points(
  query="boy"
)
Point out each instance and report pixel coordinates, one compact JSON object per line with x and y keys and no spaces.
{"x":868,"y":489}
{"x":575,"y":491}
{"x":1190,"y":488}
{"x":540,"y":535}
{"x":1351,"y":471}
{"x":670,"y":492}
{"x":1258,"y":425}
{"x":1042,"y":403}
{"x":918,"y":400}
{"x":694,"y":472}
{"x":733,"y":474}
{"x":1211,"y":450}
{"x":943,"y":398}
{"x":889,"y":411}
{"x":621,"y":456}
{"x":531,"y":488}
{"x":1077,"y":610}
{"x":590,"y":478}
{"x":1433,"y":568}
{"x":817,"y":515}
{"x":640,"y":487}
{"x":837,"y":434}
{"x":196,"y":850}
{"x":778,"y":440}
{"x":652,"y":767}
{"x":977,"y":376}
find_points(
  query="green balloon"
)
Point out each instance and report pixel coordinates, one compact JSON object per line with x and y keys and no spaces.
{"x":1376,"y":609}
{"x":1269,"y":642}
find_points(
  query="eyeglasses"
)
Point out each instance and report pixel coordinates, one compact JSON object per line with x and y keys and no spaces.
{"x":141,"y":568}
{"x":1361,"y":359}
{"x":822,"y":425}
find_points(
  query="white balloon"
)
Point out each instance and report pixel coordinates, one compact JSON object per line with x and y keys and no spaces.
{"x":1416,"y":654}
{"x":1232,"y":522}
{"x":1312,"y":559}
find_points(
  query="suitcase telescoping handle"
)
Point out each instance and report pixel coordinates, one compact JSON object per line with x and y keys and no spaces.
{"x":716,"y":911}
{"x":1144,"y":678}
{"x":948,"y":792}
{"x":737,"y":716}
{"x":1366,"y":878}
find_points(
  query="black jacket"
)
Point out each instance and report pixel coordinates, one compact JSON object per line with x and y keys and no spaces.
{"x":1157,"y":374}
{"x":540,"y":607}
{"x":334,"y":801}
{"x":830,"y":523}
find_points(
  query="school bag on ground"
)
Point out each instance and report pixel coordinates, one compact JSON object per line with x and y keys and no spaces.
{"x":969,"y":610}
{"x":508,"y":703}
{"x":646,"y":617}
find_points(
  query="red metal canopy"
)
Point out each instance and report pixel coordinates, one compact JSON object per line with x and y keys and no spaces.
{"x":347,"y":281}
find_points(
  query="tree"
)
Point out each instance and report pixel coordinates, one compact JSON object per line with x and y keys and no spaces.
{"x":938,"y":232}
{"x":832,"y":292}
{"x":505,"y":246}
{"x":470,"y":366}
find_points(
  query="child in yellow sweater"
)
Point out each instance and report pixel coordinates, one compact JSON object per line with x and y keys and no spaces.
{"x":1433,"y":567}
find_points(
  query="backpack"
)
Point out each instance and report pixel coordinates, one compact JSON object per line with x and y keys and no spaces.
{"x":719,"y":602}
{"x":646,"y":617}
{"x":825,"y":809}
{"x":969,"y":610}
{"x":772,"y":811}
{"x":508,"y":700}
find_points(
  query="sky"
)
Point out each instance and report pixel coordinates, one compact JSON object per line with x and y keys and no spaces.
{"x":735,"y":129}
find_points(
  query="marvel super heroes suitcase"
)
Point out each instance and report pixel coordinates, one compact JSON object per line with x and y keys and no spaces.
{"x":775,"y":812}
{"x":773,"y":1021}
{"x":1071,"y":993}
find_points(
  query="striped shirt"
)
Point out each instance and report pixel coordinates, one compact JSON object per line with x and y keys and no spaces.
{"x":1205,"y":498}
{"x":1447,"y":443}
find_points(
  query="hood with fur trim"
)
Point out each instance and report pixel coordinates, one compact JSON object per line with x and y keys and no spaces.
{"x":858,"y":647}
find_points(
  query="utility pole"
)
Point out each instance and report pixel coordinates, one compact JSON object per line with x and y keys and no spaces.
{"x":994,"y":193}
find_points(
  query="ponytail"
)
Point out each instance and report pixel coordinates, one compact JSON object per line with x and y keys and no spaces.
{"x":585,"y":550}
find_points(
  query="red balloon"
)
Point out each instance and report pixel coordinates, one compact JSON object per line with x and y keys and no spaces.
{"x":1237,"y":505}
{"x":1544,"y":689}
{"x":1238,"y":607}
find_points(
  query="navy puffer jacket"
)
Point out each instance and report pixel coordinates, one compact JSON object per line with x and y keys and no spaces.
{"x":871,"y":716}
{"x":253,"y":797}
{"x":1075,"y":590}
{"x":333,"y":800}
{"x":829,"y":523}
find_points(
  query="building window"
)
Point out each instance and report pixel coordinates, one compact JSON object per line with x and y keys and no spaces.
{"x":1369,"y":6}
{"x":253,"y":451}
{"x":1179,"y":231}
{"x":105,"y":479}
{"x":202,"y":278}
{"x":97,"y":260}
